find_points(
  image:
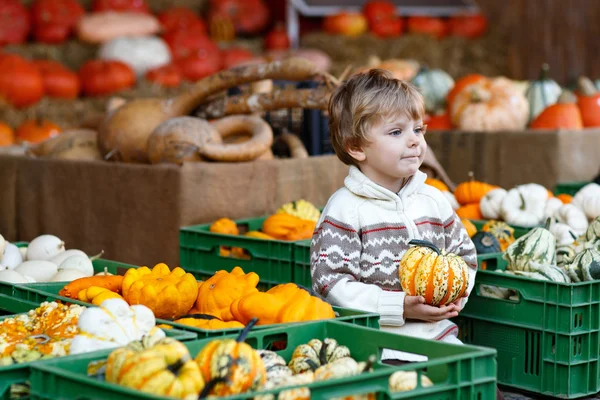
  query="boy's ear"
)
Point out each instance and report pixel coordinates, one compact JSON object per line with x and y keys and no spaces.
{"x":357,"y":153}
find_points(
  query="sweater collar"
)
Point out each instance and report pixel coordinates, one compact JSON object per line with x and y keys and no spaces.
{"x":359,"y":184}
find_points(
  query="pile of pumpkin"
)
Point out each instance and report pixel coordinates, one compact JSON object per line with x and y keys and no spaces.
{"x":538,"y":255}
{"x":293,"y":221}
{"x":226,"y":300}
{"x":381,"y":19}
{"x":227,"y":367}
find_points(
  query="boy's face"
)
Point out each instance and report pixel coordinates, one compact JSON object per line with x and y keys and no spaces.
{"x":396,"y":151}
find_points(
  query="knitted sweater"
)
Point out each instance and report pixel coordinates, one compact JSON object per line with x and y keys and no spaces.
{"x":363,"y":233}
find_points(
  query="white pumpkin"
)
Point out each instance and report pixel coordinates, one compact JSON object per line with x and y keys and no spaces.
{"x":563,"y":233}
{"x":587,"y":199}
{"x":12,"y":257}
{"x":524,"y":205}
{"x":542,"y":93}
{"x":41,"y":271}
{"x":573,"y":217}
{"x":79,"y":263}
{"x":44,"y":247}
{"x":141,"y":53}
{"x":451,"y":199}
{"x":67,"y":275}
{"x":11,"y":276}
{"x":60,"y":257}
{"x":115,"y":323}
{"x":491,"y":203}
{"x":552,"y":205}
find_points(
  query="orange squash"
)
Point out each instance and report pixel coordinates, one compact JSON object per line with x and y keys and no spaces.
{"x":36,"y":131}
{"x":225,"y":226}
{"x":469,"y":211}
{"x":469,"y":226}
{"x":563,"y":115}
{"x":436,"y":183}
{"x":565,"y":198}
{"x":110,"y":282}
{"x":288,"y":227}
{"x":471,"y":191}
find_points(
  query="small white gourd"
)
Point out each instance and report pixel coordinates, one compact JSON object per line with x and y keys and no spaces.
{"x":40,"y":270}
{"x":491,"y":203}
{"x":44,"y":248}
{"x":68,"y":275}
{"x":12,"y":276}
{"x":12,"y":257}
{"x":79,"y":263}
{"x":141,"y":53}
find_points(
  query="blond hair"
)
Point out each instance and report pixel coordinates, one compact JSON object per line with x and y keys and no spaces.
{"x":364,"y":100}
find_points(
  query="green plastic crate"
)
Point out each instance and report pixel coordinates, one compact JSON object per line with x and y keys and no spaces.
{"x":569,"y":187}
{"x":272,"y":260}
{"x":19,"y":373}
{"x":49,"y":292}
{"x":548,"y":340}
{"x":302,"y":263}
{"x":458,"y":372}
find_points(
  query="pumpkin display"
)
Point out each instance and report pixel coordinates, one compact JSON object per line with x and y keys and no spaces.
{"x":524,"y":205}
{"x":186,"y":42}
{"x":432,"y":26}
{"x":427,"y":271}
{"x":96,"y":295}
{"x":390,"y":27}
{"x":471,"y":191}
{"x":485,"y":242}
{"x":439,"y":121}
{"x":54,"y":20}
{"x":345,"y":23}
{"x":277,"y":38}
{"x":573,"y":217}
{"x":404,"y":381}
{"x":165,"y":76}
{"x":102,"y":77}
{"x":490,"y":105}
{"x":115,"y":323}
{"x":588,"y":200}
{"x":434,"y":85}
{"x":585,"y":265}
{"x":501,"y":231}
{"x":234,"y":56}
{"x":36,"y":131}
{"x":164,"y":369}
{"x":284,"y":226}
{"x":7,"y":135}
{"x":490,"y":205}
{"x":469,"y":211}
{"x":460,"y":84}
{"x":275,"y":365}
{"x":232,"y":365}
{"x":120,"y":5}
{"x":404,"y":70}
{"x":282,"y":303}
{"x":469,"y":26}
{"x":436,"y":183}
{"x":199,"y":64}
{"x":216,"y":294}
{"x":377,"y":11}
{"x":469,"y":226}
{"x":316,"y":353}
{"x":544,"y":272}
{"x":180,"y":18}
{"x":248,"y":16}
{"x":15,"y":22}
{"x":564,"y":114}
{"x":588,"y":101}
{"x":538,"y":245}
{"x":140,"y":53}
{"x":208,"y":322}
{"x":592,"y":234}
{"x":59,"y":81}
{"x":169,"y":294}
{"x":302,"y":209}
{"x":542,"y":93}
{"x":21,"y":83}
{"x":565,"y":254}
{"x":110,"y":282}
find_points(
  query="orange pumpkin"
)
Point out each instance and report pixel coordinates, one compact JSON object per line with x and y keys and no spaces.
{"x":469,"y":226}
{"x":460,"y":84}
{"x":490,"y":105}
{"x":588,"y":101}
{"x":288,"y":227}
{"x":7,"y":135}
{"x":436,"y":183}
{"x":471,"y":191}
{"x":565,"y":198}
{"x":438,"y":122}
{"x":36,"y":131}
{"x":225,"y":226}
{"x":563,"y":115}
{"x":469,"y":211}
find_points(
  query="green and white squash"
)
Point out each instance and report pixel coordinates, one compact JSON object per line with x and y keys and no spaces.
{"x":491,"y":203}
{"x":573,"y":217}
{"x":538,"y":245}
{"x":542,"y":93}
{"x":566,"y":254}
{"x":524,"y":205}
{"x":485,"y":242}
{"x":592,"y":234}
{"x":585,"y":266}
{"x":310,"y":356}
{"x":563,"y":233}
{"x":434,"y":85}
{"x":551,"y":272}
{"x":275,"y":365}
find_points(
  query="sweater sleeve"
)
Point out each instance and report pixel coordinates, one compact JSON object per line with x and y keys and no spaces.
{"x":336,"y":248}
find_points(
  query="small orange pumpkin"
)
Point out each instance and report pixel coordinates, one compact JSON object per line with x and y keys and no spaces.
{"x":469,"y":226}
{"x":36,"y":131}
{"x":7,"y":135}
{"x":471,"y":191}
{"x":588,"y":100}
{"x":225,"y":226}
{"x":563,"y":115}
{"x":288,"y":227}
{"x":469,"y":211}
{"x":436,"y":183}
{"x":565,"y":198}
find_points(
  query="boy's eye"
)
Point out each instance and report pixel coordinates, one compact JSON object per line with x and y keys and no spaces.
{"x":396,"y":132}
{"x":421,"y":130}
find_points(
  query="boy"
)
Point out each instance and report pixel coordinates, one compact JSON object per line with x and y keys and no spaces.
{"x":376,"y":127}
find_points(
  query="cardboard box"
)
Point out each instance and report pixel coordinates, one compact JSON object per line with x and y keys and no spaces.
{"x":511,"y":158}
{"x":134,"y":212}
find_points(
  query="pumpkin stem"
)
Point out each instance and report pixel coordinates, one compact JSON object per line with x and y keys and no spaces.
{"x":323,"y":353}
{"x":312,"y":365}
{"x":567,"y":97}
{"x":547,"y":224}
{"x":425,"y":243}
{"x":572,"y":234}
{"x":242,"y":336}
{"x":586,"y":86}
{"x":522,"y":201}
{"x":176,"y":366}
{"x":97,"y":256}
{"x":370,"y":363}
{"x":544,"y":70}
{"x":471,"y":176}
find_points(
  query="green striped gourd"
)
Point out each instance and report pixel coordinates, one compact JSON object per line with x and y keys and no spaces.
{"x":585,"y":265}
{"x":434,"y":84}
{"x":566,"y":254}
{"x":538,"y":245}
{"x":592,"y":234}
{"x":542,"y":93}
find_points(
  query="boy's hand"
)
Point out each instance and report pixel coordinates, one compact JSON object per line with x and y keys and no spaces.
{"x":415,"y":308}
{"x":459,"y":303}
